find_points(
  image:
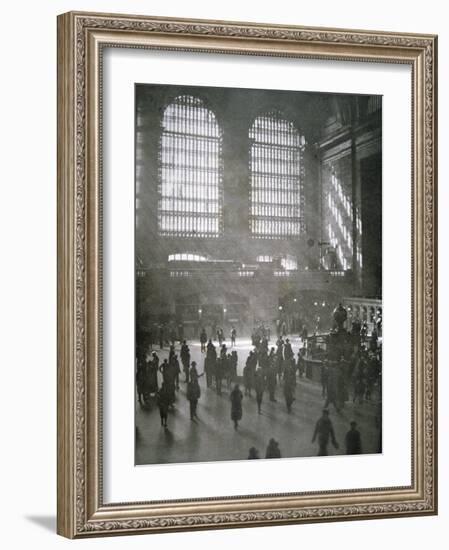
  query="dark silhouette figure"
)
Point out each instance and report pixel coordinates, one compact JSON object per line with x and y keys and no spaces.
{"x":236,"y":405}
{"x":193,"y":394}
{"x":233,"y":336}
{"x":324,"y":430}
{"x":185,"y":360}
{"x":273,"y":450}
{"x":163,"y":402}
{"x":353,"y":440}
{"x":259,"y":383}
{"x":253,"y":453}
{"x":203,"y":340}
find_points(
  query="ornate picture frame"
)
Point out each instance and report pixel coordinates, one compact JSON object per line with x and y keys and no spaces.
{"x":82,"y":38}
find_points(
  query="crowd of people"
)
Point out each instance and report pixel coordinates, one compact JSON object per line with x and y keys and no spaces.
{"x":270,"y":372}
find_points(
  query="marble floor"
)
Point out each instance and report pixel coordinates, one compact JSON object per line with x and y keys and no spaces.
{"x":213,"y":437}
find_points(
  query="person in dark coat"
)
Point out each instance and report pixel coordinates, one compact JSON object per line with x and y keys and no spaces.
{"x":232,"y":367}
{"x":155,"y":359}
{"x":273,"y":450}
{"x":300,"y":365}
{"x":331,"y":391}
{"x":236,"y":405}
{"x":324,"y":430}
{"x":288,"y":351}
{"x":185,"y":360}
{"x":203,"y":340}
{"x":152,"y":369}
{"x":324,"y":378}
{"x":210,"y":363}
{"x":271,"y":382}
{"x":193,"y":373}
{"x":163,"y":402}
{"x":233,"y":336}
{"x":253,"y":453}
{"x":193,"y":394}
{"x":248,"y":375}
{"x":161,"y":337}
{"x":259,"y":384}
{"x":289,"y":388}
{"x":353,"y":440}
{"x":176,"y":369}
{"x":165,"y":371}
{"x":168,"y":377}
{"x":219,"y":369}
{"x":210,"y":346}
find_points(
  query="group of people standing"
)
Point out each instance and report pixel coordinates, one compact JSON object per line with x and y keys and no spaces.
{"x":170,"y":370}
{"x":360,"y":375}
{"x":266,"y":369}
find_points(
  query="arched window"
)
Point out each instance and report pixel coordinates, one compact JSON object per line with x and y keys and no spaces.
{"x":276,"y":173}
{"x":190,"y":200}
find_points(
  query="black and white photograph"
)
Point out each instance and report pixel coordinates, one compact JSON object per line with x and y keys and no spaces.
{"x":258,"y":274}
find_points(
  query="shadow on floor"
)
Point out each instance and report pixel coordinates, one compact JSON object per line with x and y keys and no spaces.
{"x":46,"y":522}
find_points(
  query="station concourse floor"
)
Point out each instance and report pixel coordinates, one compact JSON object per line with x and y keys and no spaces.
{"x":212,"y":436}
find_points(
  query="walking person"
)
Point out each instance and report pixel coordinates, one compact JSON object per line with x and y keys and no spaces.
{"x":193,"y":395}
{"x":324,"y":378}
{"x":218,"y":375}
{"x":259,"y":383}
{"x":331,"y":388}
{"x":233,"y":336}
{"x":161,"y":337}
{"x":248,"y":375}
{"x":271,"y":382}
{"x":353,"y":440}
{"x":193,"y":373}
{"x":152,"y":370}
{"x":168,"y":377}
{"x":176,"y":370}
{"x":203,"y":340}
{"x":253,"y":453}
{"x":163,"y":402}
{"x":300,"y":365}
{"x":185,"y":360}
{"x":289,"y":394}
{"x":236,"y":405}
{"x":324,"y":430}
{"x":273,"y":450}
{"x":210,"y":363}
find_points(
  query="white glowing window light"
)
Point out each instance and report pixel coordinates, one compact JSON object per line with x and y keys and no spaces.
{"x":190,"y":162}
{"x":187,"y":257}
{"x":275,"y":176}
{"x":246,"y":273}
{"x":339,"y":229}
{"x":264,"y":259}
{"x":290,"y":263}
{"x":177,"y":274}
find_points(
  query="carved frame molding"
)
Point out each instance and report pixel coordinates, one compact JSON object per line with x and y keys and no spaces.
{"x":81,"y":37}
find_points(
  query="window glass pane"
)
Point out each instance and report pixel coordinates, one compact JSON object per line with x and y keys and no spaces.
{"x":275,"y":177}
{"x":190,"y":200}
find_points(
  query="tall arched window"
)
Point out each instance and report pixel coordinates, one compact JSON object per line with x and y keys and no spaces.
{"x":190,"y":200}
{"x":276,"y":171}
